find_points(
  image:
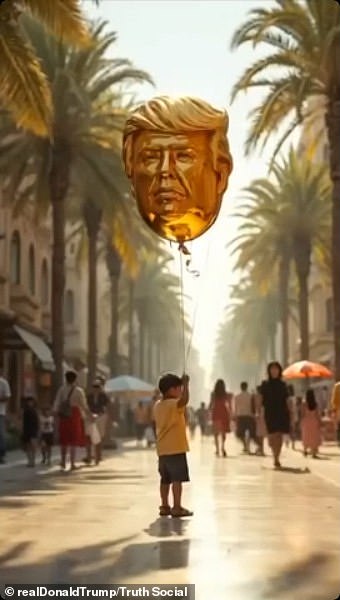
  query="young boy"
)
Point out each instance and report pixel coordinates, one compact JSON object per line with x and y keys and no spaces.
{"x":172,"y":444}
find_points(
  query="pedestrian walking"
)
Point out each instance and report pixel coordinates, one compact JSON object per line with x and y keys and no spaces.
{"x":296,"y":421}
{"x":244,"y":413}
{"x":5,"y":394}
{"x":71,"y":409}
{"x":261,"y":432}
{"x":141,"y":421}
{"x":202,"y":418}
{"x":220,"y":406}
{"x":46,"y":435}
{"x":311,"y":425}
{"x":275,"y":395}
{"x":98,"y":403}
{"x":172,"y":443}
{"x":30,"y":430}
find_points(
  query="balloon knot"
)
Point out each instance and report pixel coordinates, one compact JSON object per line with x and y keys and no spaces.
{"x":183,"y":248}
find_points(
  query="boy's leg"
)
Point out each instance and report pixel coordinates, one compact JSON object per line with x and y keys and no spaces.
{"x":164,"y":492}
{"x":179,"y":473}
{"x":164,"y":488}
{"x":177,"y":494}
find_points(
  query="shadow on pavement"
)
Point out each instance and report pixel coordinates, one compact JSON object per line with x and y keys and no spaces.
{"x":292,"y":470}
{"x":167,"y":527}
{"x":20,"y":482}
{"x":94,"y":564}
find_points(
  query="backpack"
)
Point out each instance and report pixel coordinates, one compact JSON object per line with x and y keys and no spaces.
{"x":65,"y":408}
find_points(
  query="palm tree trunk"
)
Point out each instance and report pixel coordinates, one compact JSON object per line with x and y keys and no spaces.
{"x":142,"y":349}
{"x":150,"y":373}
{"x":272,"y":346}
{"x":304,"y":317}
{"x":92,"y":350}
{"x":333,"y":127}
{"x":159,"y":357}
{"x":284,"y":306}
{"x":302,"y":248}
{"x":92,"y":217}
{"x":131,"y":304}
{"x":114,"y":265}
{"x":58,"y":184}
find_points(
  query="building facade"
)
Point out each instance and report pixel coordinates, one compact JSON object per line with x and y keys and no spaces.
{"x":25,"y":290}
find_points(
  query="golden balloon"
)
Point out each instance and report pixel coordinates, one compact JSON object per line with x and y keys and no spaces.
{"x":176,"y":154}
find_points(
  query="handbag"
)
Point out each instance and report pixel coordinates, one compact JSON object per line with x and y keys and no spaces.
{"x":65,"y":408}
{"x":94,"y":434}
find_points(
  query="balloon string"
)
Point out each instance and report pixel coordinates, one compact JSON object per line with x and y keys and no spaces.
{"x":182,"y":309}
{"x":197,"y":301}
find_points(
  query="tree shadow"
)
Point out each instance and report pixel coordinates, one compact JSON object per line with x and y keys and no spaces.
{"x":307,"y":570}
{"x":42,"y":482}
{"x":109,"y":562}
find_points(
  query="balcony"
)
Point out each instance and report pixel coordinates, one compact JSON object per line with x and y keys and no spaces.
{"x":23,"y":305}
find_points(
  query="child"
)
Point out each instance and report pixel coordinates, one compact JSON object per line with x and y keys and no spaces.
{"x":46,"y":435}
{"x":311,"y":425}
{"x":172,"y":444}
{"x":30,"y":430}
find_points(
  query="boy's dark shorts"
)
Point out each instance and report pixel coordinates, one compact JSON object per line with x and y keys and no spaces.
{"x":173,"y":467}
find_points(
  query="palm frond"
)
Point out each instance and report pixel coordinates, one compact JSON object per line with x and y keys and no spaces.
{"x":63,"y":18}
{"x":24,"y":90}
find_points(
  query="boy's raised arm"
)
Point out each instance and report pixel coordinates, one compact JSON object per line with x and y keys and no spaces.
{"x":184,"y":399}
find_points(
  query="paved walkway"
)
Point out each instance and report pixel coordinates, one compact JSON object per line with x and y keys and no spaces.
{"x":257,"y":534}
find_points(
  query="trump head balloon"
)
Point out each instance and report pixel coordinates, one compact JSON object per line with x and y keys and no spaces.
{"x":176,"y":154}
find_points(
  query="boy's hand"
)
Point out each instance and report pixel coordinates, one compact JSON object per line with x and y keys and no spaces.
{"x":185,"y":379}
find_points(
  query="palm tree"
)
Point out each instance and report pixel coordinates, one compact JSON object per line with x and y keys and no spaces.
{"x":155,"y":301}
{"x":293,"y":213}
{"x":25,"y":91}
{"x":85,"y":133}
{"x":264,"y":247}
{"x":303,"y":37}
{"x":230,"y":362}
{"x":124,"y":236}
{"x":255,"y":314}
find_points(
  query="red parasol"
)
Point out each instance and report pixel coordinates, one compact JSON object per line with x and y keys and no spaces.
{"x":305,"y":369}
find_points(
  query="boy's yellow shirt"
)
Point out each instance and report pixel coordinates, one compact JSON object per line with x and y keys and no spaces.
{"x":170,"y":427}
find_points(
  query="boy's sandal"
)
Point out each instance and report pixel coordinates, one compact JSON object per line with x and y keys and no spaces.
{"x":164,"y":511}
{"x":177,"y":513}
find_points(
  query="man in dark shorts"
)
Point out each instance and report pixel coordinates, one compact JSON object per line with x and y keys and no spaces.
{"x":172,"y":443}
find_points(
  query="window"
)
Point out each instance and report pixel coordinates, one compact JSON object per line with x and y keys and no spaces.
{"x":69,"y":307}
{"x":44,"y":283}
{"x":15,"y":258}
{"x":329,"y":315}
{"x":31,"y":270}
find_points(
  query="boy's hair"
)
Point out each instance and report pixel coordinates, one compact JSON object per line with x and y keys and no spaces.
{"x":70,"y":376}
{"x":169,"y":381}
{"x":244,"y":386}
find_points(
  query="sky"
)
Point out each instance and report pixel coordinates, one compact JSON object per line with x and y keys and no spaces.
{"x":184,"y":45}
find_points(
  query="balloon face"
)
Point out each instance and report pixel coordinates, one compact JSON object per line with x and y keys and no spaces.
{"x":178,"y":172}
{"x":175,"y":183}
